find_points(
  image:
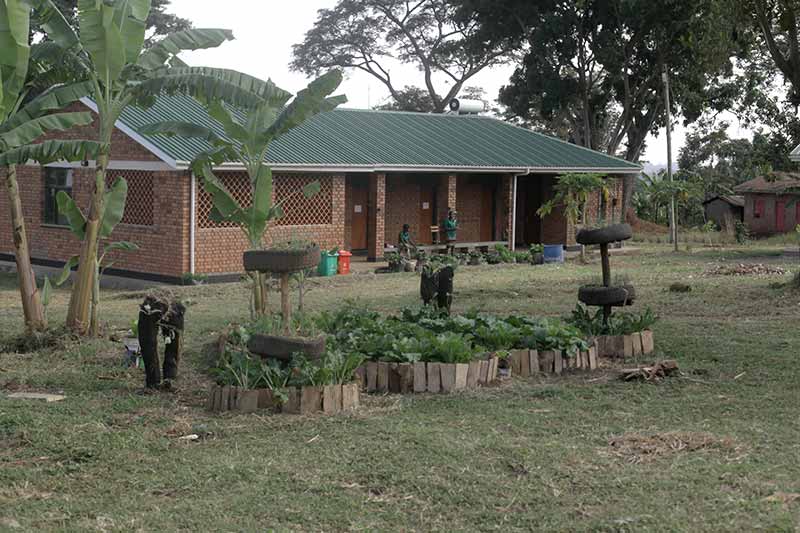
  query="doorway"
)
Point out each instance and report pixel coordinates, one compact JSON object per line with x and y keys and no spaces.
{"x":358,"y":212}
{"x":427,"y":213}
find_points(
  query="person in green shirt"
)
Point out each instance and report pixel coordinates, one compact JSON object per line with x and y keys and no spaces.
{"x":450,"y":228}
{"x":405,"y":243}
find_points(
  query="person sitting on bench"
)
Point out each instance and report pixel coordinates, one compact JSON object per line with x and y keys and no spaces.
{"x":405,"y":243}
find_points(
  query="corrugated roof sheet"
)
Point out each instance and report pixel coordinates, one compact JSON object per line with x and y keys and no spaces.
{"x":734,"y":200}
{"x":384,"y":139}
{"x":779,"y":182}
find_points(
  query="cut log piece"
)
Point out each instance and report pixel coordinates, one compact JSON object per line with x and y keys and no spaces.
{"x":654,"y":372}
{"x":473,"y":374}
{"x":331,"y":399}
{"x":648,"y":344}
{"x":266,"y":400}
{"x":448,"y":376}
{"x":462,"y":370}
{"x":434,"y":378}
{"x":533,"y":361}
{"x":212,"y":396}
{"x":310,"y":400}
{"x":525,"y":363}
{"x":484,"y":373}
{"x":405,"y":373}
{"x":351,"y":397}
{"x":593,"y":362}
{"x":372,"y":376}
{"x":558,"y":362}
{"x":394,"y":378}
{"x":420,"y":377}
{"x":627,"y":341}
{"x":383,"y":377}
{"x":636,"y":338}
{"x":515,"y":362}
{"x":292,"y":403}
{"x":247,"y":401}
{"x":361,"y":376}
{"x":547,"y":361}
{"x":224,"y":401}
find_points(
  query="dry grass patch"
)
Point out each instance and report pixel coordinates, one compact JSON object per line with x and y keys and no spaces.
{"x":642,"y":448}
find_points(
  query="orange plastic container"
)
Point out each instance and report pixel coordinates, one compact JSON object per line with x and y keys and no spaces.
{"x":344,"y":262}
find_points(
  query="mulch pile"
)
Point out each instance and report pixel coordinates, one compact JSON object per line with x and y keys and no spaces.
{"x":746,"y":269}
{"x":640,"y":448}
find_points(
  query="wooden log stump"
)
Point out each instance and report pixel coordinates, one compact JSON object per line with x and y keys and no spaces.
{"x":525,"y":363}
{"x":224,"y":400}
{"x":593,"y":361}
{"x":636,"y":338}
{"x":247,"y":401}
{"x":627,"y":341}
{"x":405,"y":372}
{"x":266,"y":399}
{"x":448,"y":377}
{"x":331,"y":399}
{"x":310,"y":400}
{"x":420,"y":377}
{"x":394,"y":378}
{"x":484,"y":372}
{"x":558,"y":362}
{"x":361,"y":377}
{"x":372,"y":376}
{"x":515,"y":362}
{"x":473,"y":374}
{"x":172,"y":325}
{"x":533,"y":361}
{"x":383,"y":377}
{"x":292,"y":404}
{"x":434,"y":377}
{"x":547,"y":361}
{"x":462,"y":371}
{"x":212,"y":396}
{"x":648,"y":342}
{"x":350,"y":396}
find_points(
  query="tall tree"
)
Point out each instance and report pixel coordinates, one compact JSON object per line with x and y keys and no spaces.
{"x":368,"y":35}
{"x":596,"y":65}
{"x":109,"y":55}
{"x":23,"y":121}
{"x":777,"y":22}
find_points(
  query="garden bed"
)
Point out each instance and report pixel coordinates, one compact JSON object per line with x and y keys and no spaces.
{"x":626,"y":346}
{"x":407,"y":378}
{"x":328,"y":399}
{"x":526,"y":363}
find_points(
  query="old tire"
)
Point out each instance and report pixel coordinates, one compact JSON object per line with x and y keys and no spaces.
{"x":598,"y":296}
{"x":283,"y":348}
{"x":281,"y":260}
{"x":609,"y":234}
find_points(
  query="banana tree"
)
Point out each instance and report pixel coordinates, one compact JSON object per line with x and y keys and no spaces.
{"x":22,"y":121}
{"x":572,"y":192}
{"x":108,"y":53}
{"x":248,"y":135}
{"x":115,"y":209}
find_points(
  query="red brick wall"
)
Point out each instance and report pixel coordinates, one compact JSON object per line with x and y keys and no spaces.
{"x":402,"y":207}
{"x":219,"y":250}
{"x":164,"y":246}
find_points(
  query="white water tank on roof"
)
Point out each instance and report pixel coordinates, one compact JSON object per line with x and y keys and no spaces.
{"x":467,"y":107}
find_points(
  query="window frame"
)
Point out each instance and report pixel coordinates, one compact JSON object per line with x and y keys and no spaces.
{"x":50,"y":214}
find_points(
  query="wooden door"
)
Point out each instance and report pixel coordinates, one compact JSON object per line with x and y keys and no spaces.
{"x":426,"y":214}
{"x":487,"y":213}
{"x":780,"y":216}
{"x":360,"y":214}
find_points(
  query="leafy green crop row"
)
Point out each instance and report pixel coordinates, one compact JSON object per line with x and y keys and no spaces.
{"x":621,"y":323}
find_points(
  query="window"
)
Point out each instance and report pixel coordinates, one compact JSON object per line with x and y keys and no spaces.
{"x":55,"y":180}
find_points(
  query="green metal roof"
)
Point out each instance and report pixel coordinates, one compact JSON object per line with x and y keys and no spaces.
{"x":384,"y":140}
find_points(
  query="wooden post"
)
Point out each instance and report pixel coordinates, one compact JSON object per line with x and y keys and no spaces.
{"x":420,"y":377}
{"x":150,"y":313}
{"x":172,"y":326}
{"x":434,"y":377}
{"x":286,"y":305}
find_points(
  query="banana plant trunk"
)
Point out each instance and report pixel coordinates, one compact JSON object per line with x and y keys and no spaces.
{"x":78,"y":317}
{"x":32,"y":307}
{"x":94,"y":327}
{"x":260,"y":294}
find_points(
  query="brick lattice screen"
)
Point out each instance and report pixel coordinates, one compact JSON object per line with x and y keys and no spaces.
{"x":139,"y":205}
{"x":300,"y":211}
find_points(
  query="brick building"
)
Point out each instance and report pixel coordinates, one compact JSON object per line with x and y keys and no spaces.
{"x":771,"y":205}
{"x":377,"y":170}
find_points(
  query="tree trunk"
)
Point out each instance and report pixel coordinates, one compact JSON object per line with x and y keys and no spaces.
{"x":32,"y":307}
{"x":78,"y":318}
{"x":259,"y":295}
{"x":94,"y":327}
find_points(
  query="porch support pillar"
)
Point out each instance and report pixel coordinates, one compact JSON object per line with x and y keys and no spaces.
{"x":376,"y":230}
{"x":507,"y":191}
{"x":447,"y":197}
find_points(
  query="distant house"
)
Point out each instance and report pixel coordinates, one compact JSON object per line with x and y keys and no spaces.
{"x":725,"y":210}
{"x":771,"y":205}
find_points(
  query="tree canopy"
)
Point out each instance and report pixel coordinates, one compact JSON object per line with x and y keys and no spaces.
{"x":368,"y":35}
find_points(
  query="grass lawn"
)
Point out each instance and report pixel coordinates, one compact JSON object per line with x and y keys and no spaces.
{"x":716,"y":449}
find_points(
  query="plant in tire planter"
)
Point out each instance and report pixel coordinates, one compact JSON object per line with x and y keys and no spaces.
{"x":537,"y":254}
{"x":271,"y":337}
{"x":246,"y":140}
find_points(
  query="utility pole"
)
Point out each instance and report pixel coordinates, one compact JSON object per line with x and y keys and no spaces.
{"x":673,"y":221}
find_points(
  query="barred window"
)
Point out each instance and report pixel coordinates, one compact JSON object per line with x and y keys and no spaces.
{"x":299,"y":210}
{"x":139,"y":205}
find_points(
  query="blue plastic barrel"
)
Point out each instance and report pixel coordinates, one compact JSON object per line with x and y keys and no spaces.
{"x":553,"y":253}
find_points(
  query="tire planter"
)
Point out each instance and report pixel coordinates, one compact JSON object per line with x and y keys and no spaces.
{"x":606,"y":235}
{"x":537,"y":258}
{"x":283,"y":348}
{"x":626,"y":346}
{"x":599,"y":296}
{"x":281,"y":261}
{"x":329,"y":399}
{"x":408,"y":378}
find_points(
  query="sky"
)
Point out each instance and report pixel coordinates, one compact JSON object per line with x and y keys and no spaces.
{"x":265,"y":31}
